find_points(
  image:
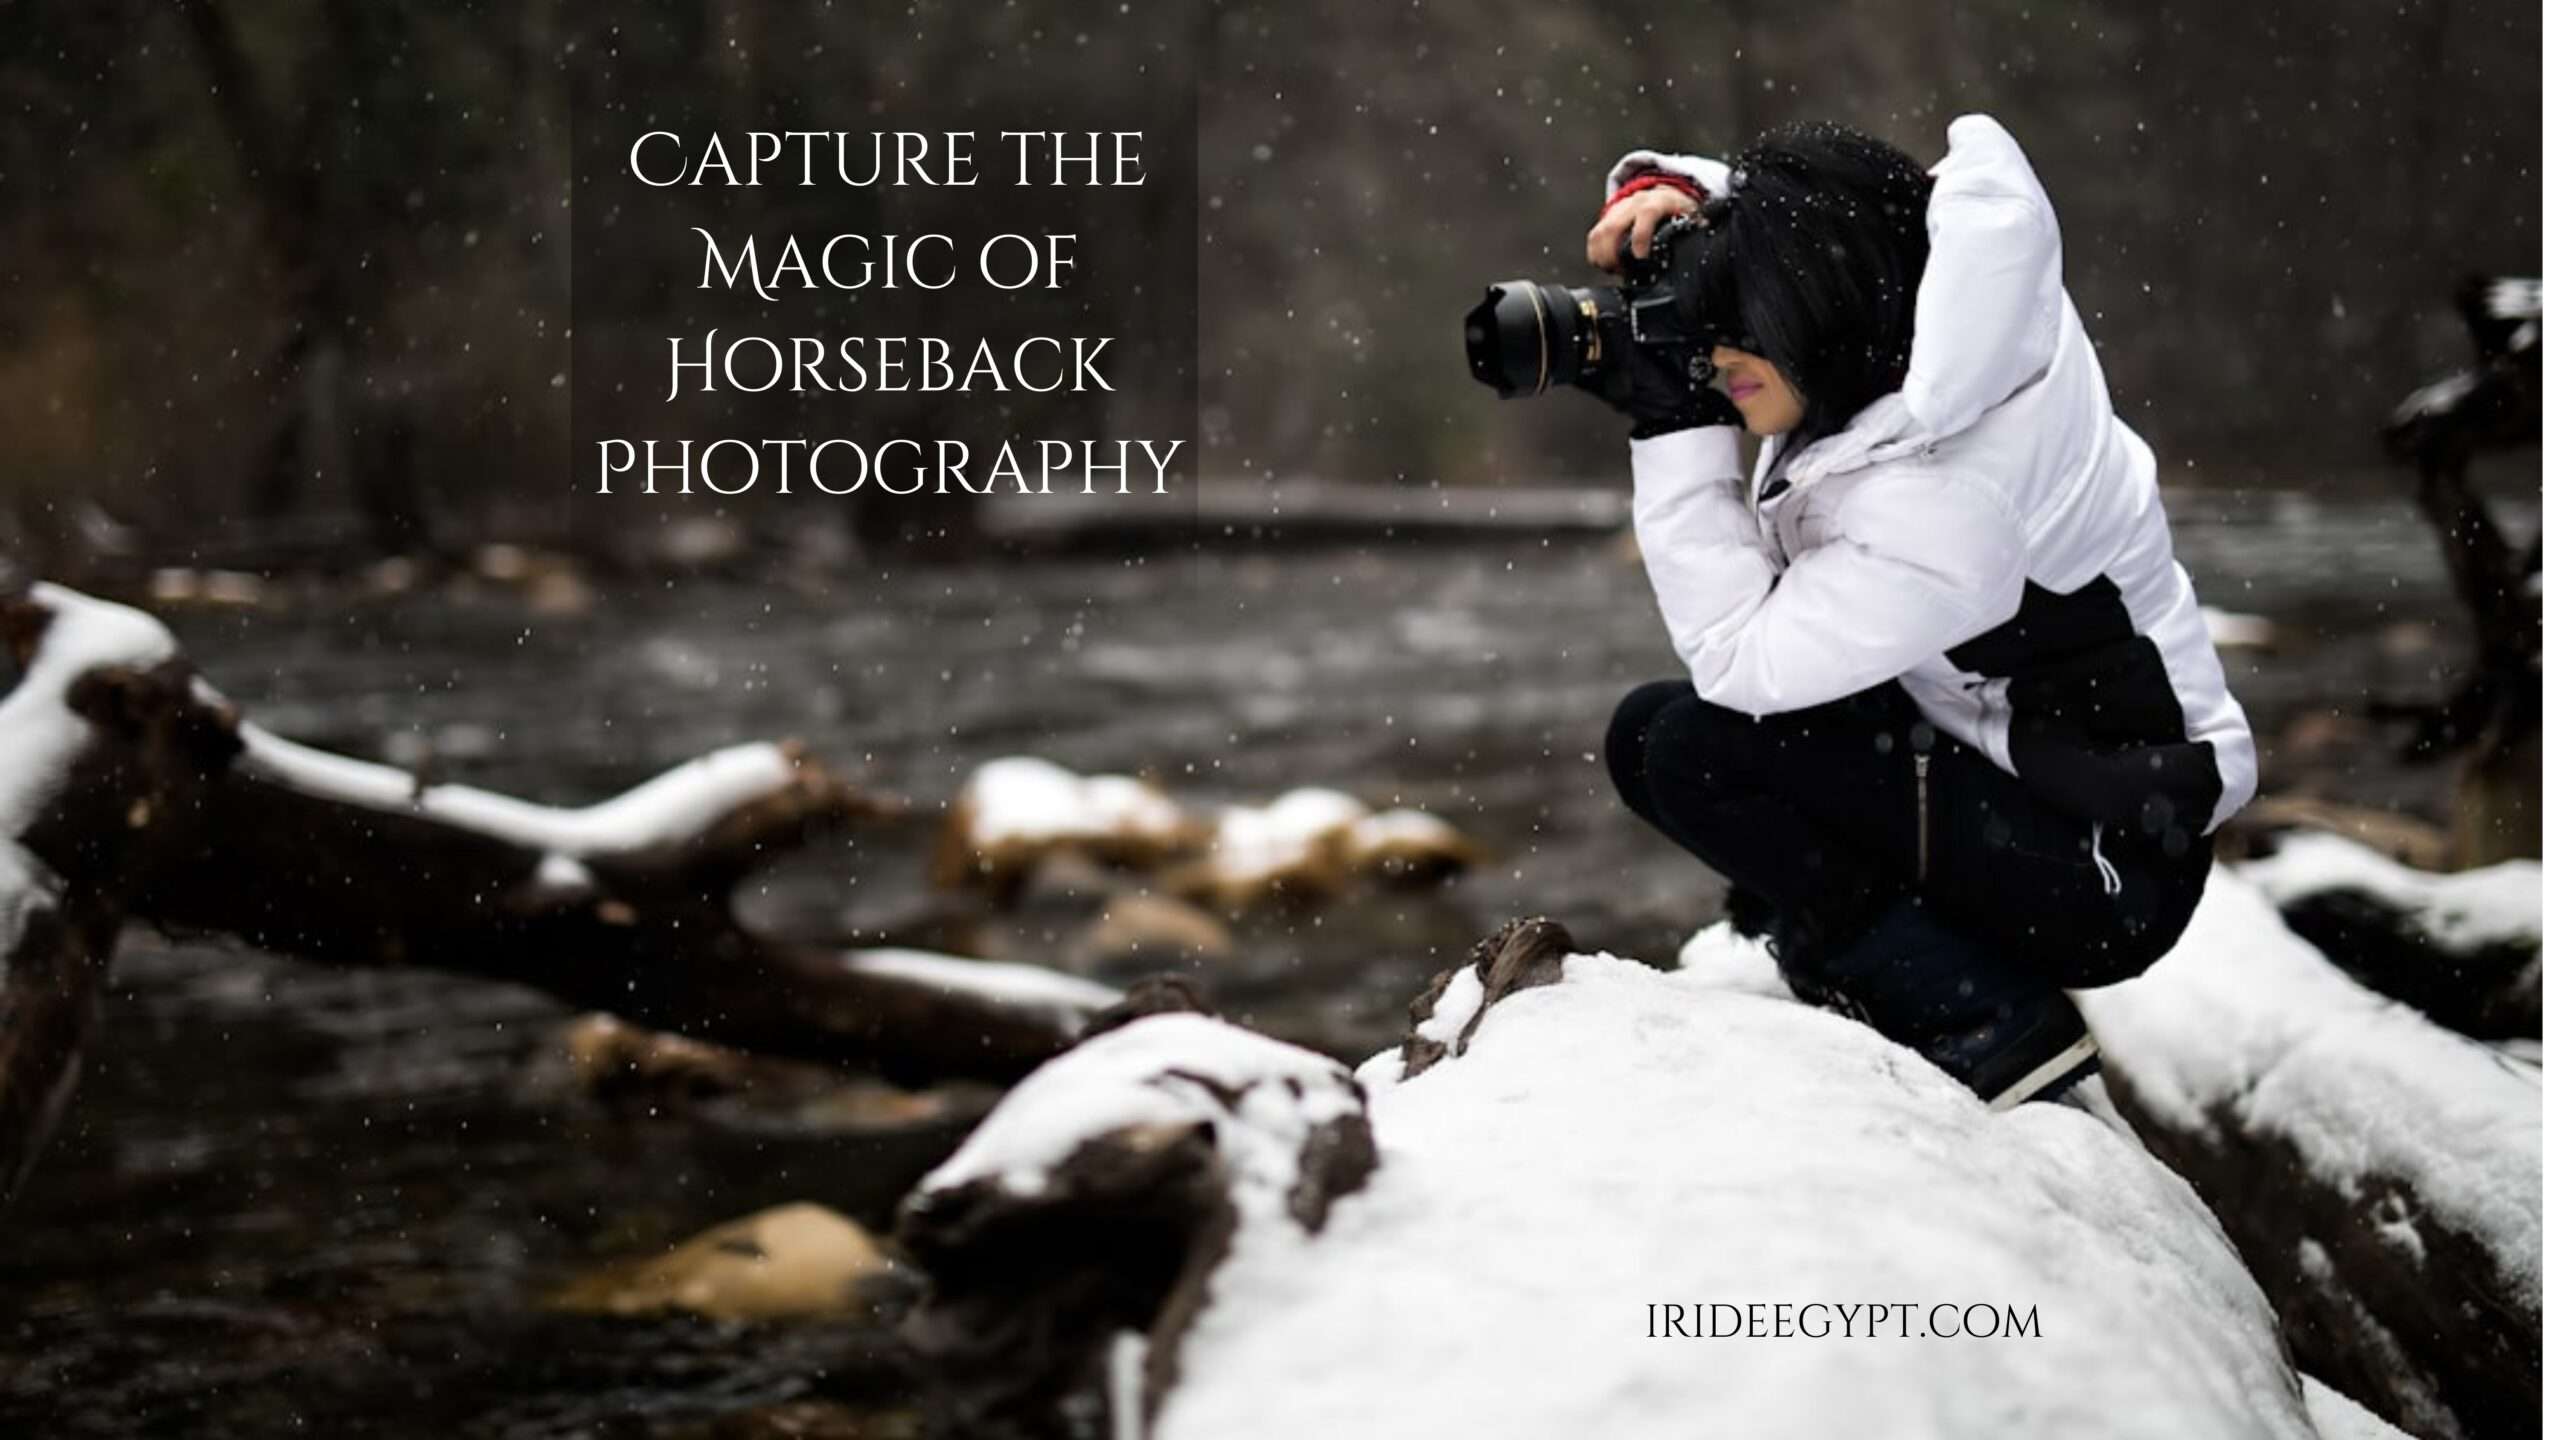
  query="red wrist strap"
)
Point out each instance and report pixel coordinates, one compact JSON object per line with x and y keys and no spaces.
{"x":1650,"y":179}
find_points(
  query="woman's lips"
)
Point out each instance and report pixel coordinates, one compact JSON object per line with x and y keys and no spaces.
{"x":1741,"y":390}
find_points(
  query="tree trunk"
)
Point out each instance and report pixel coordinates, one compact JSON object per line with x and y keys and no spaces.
{"x":2380,"y":1175}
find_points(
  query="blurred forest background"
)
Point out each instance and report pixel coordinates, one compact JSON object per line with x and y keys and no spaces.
{"x":289,"y":274}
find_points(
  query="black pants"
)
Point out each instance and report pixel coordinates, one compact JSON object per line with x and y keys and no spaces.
{"x":1821,"y":813}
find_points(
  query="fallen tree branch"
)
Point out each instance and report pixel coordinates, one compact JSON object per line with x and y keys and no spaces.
{"x":623,"y":906}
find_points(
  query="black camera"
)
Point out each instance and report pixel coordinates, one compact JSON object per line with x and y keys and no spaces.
{"x":1525,"y":336}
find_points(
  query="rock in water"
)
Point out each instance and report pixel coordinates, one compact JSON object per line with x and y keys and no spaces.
{"x":798,"y":1261}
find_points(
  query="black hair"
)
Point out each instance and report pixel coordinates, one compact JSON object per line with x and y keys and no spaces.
{"x":1815,"y":256}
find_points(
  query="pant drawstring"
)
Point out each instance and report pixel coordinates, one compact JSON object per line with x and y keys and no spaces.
{"x":2107,"y":876}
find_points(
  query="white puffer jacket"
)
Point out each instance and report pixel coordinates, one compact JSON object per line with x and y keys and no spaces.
{"x":1990,"y":535}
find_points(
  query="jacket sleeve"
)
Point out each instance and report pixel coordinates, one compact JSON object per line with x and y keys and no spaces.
{"x":1922,"y":558}
{"x":1708,"y":175}
{"x":1989,"y":316}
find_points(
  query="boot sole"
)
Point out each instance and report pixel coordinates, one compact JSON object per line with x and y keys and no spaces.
{"x":2071,"y":1064}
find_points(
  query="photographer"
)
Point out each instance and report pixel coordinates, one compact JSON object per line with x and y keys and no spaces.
{"x":1951,"y":714}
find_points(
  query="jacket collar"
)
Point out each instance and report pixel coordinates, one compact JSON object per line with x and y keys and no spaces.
{"x":1884,"y":430}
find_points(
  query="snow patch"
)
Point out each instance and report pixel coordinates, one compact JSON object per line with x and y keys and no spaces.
{"x":2437,"y":399}
{"x":1401,"y":829}
{"x":673,"y":807}
{"x":1315,"y":833}
{"x":1069,"y":1000}
{"x":2230,"y":630}
{"x":561,"y":877}
{"x":41,"y":738}
{"x":1253,"y":842}
{"x":26,"y":891}
{"x":2466,"y":910}
{"x":1721,"y":956}
{"x":1159,"y":1070}
{"x":1459,"y":1000}
{"x":2516,"y":297}
{"x":1023,"y":799}
{"x":2338,"y":1418}
{"x":1381,"y":1070}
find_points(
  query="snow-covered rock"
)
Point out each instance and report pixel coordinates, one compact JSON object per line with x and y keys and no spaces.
{"x":1595,"y":1163}
{"x":792,"y":1262}
{"x":1012,"y":812}
{"x":1408,"y":844}
{"x":1311,"y":842}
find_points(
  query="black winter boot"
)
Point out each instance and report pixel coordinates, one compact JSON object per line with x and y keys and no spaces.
{"x":1974,"y":1012}
{"x":1750,"y":913}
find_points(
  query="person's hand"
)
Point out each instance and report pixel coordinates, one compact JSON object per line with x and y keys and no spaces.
{"x":1634,"y":219}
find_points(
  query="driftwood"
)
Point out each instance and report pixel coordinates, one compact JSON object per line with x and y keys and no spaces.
{"x":167,"y":808}
{"x":1524,"y":953}
{"x":2493,"y":719}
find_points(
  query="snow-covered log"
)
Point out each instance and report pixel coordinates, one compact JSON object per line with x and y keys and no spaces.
{"x":623,"y":906}
{"x":110,"y":742}
{"x":1619,"y":1201}
{"x":102,"y":760}
{"x":1073,"y":1237}
{"x":2464,"y":948}
{"x":2382,"y":1174}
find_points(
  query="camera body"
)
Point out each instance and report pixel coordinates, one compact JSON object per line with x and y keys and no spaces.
{"x":1526,"y":336}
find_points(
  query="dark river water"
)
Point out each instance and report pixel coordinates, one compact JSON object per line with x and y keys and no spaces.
{"x":295,"y":1201}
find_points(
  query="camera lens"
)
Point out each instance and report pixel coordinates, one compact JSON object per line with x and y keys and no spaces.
{"x":1524,"y":337}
